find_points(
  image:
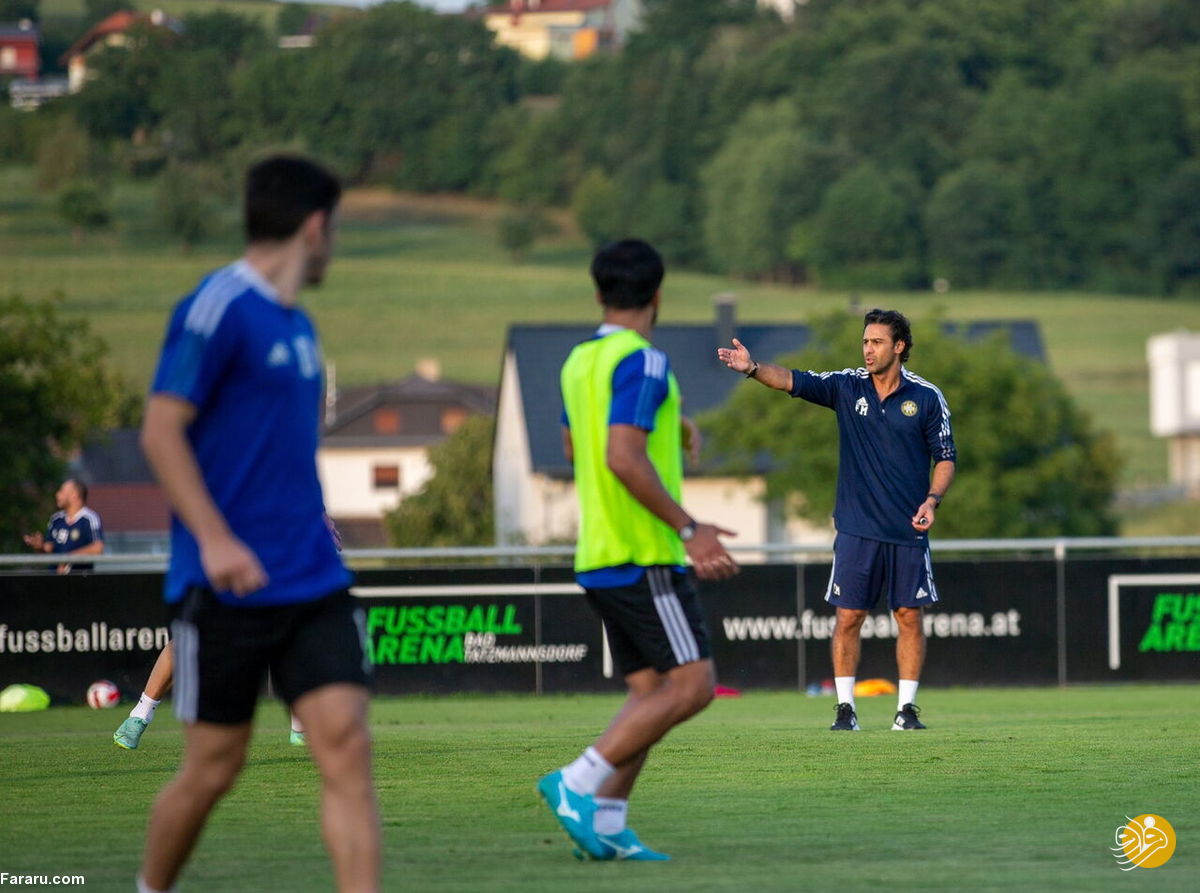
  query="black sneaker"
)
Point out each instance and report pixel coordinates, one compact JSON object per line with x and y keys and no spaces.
{"x":906,"y":719}
{"x":847,"y":720}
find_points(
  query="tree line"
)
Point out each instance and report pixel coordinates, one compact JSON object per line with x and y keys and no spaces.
{"x":866,"y":143}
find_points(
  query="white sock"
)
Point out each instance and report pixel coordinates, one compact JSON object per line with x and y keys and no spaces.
{"x":143,"y":887}
{"x":908,"y":692}
{"x":610,"y":815}
{"x":845,"y":689}
{"x":297,"y":726}
{"x":144,"y":709}
{"x":587,"y":773}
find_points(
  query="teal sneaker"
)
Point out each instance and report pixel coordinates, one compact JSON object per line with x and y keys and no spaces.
{"x":626,"y":847}
{"x":129,"y":733}
{"x":574,"y":812}
{"x":297,"y":738}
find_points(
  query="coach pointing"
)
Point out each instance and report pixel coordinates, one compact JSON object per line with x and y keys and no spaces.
{"x":893,"y":425}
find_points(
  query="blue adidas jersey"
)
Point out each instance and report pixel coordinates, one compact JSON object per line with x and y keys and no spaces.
{"x":252,"y":368}
{"x":886,"y":449}
{"x":68,"y":534}
{"x":639,"y":387}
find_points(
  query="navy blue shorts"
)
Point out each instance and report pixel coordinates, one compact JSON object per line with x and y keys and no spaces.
{"x":864,"y":569}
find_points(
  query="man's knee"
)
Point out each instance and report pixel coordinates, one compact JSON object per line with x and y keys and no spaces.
{"x":849,"y":622}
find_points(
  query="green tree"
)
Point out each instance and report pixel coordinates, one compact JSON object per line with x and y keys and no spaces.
{"x":83,"y":206}
{"x":868,"y":231}
{"x":518,"y":228}
{"x":56,"y":387}
{"x":595,"y":207}
{"x":978,"y":224}
{"x":1029,"y":461}
{"x":454,"y":508}
{"x":12,"y":11}
{"x":184,"y":204}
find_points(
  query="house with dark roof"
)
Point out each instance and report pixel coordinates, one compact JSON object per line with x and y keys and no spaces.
{"x":534,"y":492}
{"x":375,"y":448}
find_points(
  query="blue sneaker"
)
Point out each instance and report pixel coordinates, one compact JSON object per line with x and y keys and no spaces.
{"x":297,"y":739}
{"x":129,"y":733}
{"x":574,"y":812}
{"x":626,"y":847}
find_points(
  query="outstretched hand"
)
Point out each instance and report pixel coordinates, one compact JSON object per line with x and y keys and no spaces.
{"x":708,"y":555}
{"x":738,"y":359}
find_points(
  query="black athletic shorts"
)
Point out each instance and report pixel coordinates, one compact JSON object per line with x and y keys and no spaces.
{"x":656,"y":622}
{"x":223,"y":652}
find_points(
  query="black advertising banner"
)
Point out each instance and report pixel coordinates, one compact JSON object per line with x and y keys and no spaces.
{"x":64,"y":632}
{"x":521,"y":629}
{"x":449,"y":630}
{"x":1133,"y":620}
{"x":994,"y":624}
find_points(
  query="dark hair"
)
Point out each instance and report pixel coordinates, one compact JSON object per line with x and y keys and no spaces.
{"x":897,"y":322}
{"x":282,"y":191}
{"x":80,"y":488}
{"x":627,"y":274}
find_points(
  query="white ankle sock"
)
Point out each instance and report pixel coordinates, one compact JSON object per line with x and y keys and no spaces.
{"x":610,"y":815}
{"x":587,"y":773}
{"x":297,"y":726}
{"x":907,"y":692}
{"x":144,"y":709}
{"x":845,"y":689}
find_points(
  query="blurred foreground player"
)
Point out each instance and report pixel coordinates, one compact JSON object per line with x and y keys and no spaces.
{"x":255,"y":582}
{"x":622,"y":432}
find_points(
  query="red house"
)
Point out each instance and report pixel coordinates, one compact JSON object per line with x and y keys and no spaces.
{"x":19,"y":51}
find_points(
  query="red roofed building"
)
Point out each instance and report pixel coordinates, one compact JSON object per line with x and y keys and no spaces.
{"x":565,"y":29}
{"x":19,"y":51}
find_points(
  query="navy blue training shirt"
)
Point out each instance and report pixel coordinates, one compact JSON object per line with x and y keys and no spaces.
{"x":252,"y":368}
{"x":886,"y":449}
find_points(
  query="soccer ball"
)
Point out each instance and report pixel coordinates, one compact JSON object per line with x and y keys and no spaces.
{"x":102,"y":693}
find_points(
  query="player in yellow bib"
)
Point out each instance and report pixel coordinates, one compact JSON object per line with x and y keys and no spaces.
{"x":622,"y":432}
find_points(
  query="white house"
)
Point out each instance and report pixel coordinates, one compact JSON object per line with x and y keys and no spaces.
{"x":375,"y":449}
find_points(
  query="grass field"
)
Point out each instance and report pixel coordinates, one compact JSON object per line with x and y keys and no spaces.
{"x":1007,"y":790}
{"x":418,"y":277}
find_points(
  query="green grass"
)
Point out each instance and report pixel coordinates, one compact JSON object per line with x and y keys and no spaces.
{"x":425,"y":277}
{"x":1007,"y":790}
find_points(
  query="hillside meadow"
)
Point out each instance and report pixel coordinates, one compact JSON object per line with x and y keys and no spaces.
{"x":423,"y":277}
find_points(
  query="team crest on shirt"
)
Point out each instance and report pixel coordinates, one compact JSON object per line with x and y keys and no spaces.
{"x":860,"y":406}
{"x":909,"y":407}
{"x":74,"y":534}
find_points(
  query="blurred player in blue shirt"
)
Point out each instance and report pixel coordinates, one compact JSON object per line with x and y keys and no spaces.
{"x":73,"y":529}
{"x":893,"y":426}
{"x":255,"y":582}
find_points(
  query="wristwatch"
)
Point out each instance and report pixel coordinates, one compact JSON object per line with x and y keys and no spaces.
{"x":687,"y":531}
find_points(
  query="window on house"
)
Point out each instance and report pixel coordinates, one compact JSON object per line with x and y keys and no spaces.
{"x":452,"y":417}
{"x":387,"y":421}
{"x":385,"y":477}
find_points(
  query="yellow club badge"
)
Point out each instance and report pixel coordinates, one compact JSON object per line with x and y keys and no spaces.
{"x":908,"y":407}
{"x":1147,"y":841}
